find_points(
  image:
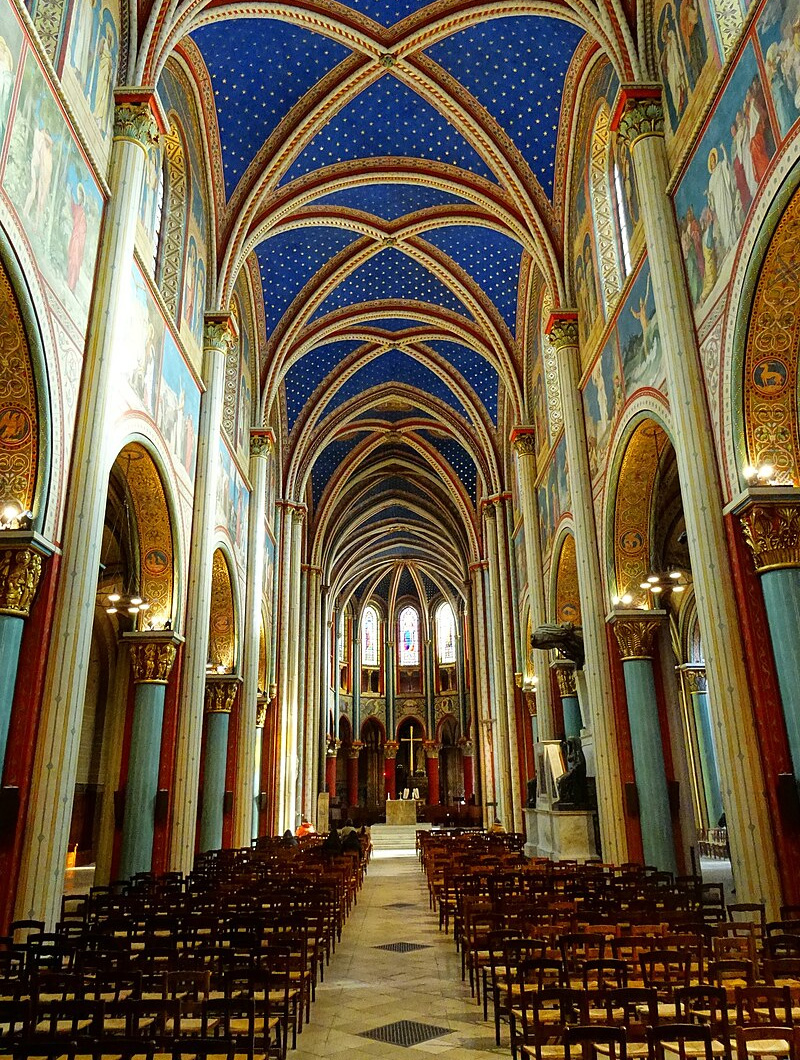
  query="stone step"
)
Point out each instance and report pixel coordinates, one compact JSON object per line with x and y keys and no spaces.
{"x":396,"y":836}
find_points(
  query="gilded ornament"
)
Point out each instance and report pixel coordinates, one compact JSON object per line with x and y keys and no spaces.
{"x":565,"y":675}
{"x":261,"y":711}
{"x":432,"y":748}
{"x":524,"y":441}
{"x":390,"y":749}
{"x":151,"y":661}
{"x":355,"y":749}
{"x":136,"y":122}
{"x":220,"y":696}
{"x":563,"y":331}
{"x":219,"y":334}
{"x":636,"y":636}
{"x":695,"y":678}
{"x":642,"y":116}
{"x":467,"y":748}
{"x":20,"y":571}
{"x":387,"y":60}
{"x":773,"y":533}
{"x":261,"y":443}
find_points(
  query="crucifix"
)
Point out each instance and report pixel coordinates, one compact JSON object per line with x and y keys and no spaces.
{"x":411,"y":741}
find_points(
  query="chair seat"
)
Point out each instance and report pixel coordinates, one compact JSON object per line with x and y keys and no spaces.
{"x":635,"y":1050}
{"x":62,"y":1026}
{"x":694,"y":1049}
{"x":240,"y":1026}
{"x":548,"y":1052}
{"x":768,"y":1047}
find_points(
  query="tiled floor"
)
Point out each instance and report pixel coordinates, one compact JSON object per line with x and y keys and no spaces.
{"x":367,"y":988}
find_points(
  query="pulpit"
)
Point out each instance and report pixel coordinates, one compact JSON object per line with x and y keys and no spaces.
{"x":401,"y":811}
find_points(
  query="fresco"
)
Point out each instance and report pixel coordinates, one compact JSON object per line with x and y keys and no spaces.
{"x":10,"y":49}
{"x":639,"y":338}
{"x":554,"y":495}
{"x":148,"y":204}
{"x":179,"y":407}
{"x":717,"y":189}
{"x":233,"y":499}
{"x":52,"y":190}
{"x":144,"y":336}
{"x":538,"y":398}
{"x":603,"y":397}
{"x":683,"y":31}
{"x":778,"y":30}
{"x":93,"y":56}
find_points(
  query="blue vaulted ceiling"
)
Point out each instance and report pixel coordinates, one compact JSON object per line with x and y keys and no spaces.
{"x":305,"y":375}
{"x":390,"y":201}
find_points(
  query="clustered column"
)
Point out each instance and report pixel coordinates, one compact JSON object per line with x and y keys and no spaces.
{"x":695,"y":679}
{"x":220,"y":694}
{"x":432,"y":768}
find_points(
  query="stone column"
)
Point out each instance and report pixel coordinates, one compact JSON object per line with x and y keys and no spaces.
{"x":390,"y":749}
{"x":565,"y":675}
{"x":44,"y":853}
{"x":389,"y":678}
{"x":697,"y":686}
{"x":481,"y":654}
{"x":331,"y":756}
{"x":635,"y":633}
{"x":218,"y":338}
{"x":301,"y":663}
{"x":220,"y":694}
{"x":356,"y":683}
{"x":502,"y":709}
{"x":563,"y":330}
{"x":21,"y":554}
{"x":432,"y":749}
{"x":293,"y":703}
{"x":523,"y":439}
{"x":352,"y":773}
{"x":152,"y":655}
{"x":261,"y":445}
{"x":313,"y":685}
{"x":640,"y":118}
{"x":262,"y":704}
{"x":468,"y":762}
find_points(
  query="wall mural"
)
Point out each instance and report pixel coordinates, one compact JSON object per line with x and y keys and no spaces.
{"x":154,"y":533}
{"x":718,"y":187}
{"x":93,"y":57}
{"x":233,"y":500}
{"x":222,"y":621}
{"x":53,"y":193}
{"x":568,"y":602}
{"x":10,"y":50}
{"x":554,"y":499}
{"x":19,"y":418}
{"x":778,"y":34}
{"x":179,"y":407}
{"x":639,"y":338}
{"x":685,"y":43}
{"x":603,"y":398}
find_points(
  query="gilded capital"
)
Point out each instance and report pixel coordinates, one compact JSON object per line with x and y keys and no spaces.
{"x":773,"y":533}
{"x":432,"y":748}
{"x":355,"y":749}
{"x":636,"y":636}
{"x":695,"y":677}
{"x":390,"y":749}
{"x":467,"y":748}
{"x":332,"y":749}
{"x":220,"y":332}
{"x":524,"y":441}
{"x":261,"y":711}
{"x":562,"y":329}
{"x":639,"y":112}
{"x":220,"y":695}
{"x":20,"y":571}
{"x":135,"y":118}
{"x":261,"y":442}
{"x":151,"y":660}
{"x":565,"y":675}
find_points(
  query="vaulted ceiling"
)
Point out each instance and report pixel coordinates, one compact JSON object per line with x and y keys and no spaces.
{"x":397,"y":171}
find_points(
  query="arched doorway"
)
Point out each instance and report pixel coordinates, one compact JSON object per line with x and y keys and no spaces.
{"x":370,"y":767}
{"x":410,"y":769}
{"x":451,"y":769}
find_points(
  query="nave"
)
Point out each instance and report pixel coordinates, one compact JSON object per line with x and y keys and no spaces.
{"x":367,"y":988}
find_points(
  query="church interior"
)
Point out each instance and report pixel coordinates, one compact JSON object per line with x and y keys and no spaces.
{"x":406,"y":405}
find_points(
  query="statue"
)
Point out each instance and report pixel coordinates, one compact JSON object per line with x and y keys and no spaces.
{"x":565,"y":637}
{"x":573,"y":791}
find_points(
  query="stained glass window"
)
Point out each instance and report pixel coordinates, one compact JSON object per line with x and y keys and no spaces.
{"x":408,"y":624}
{"x":445,"y":634}
{"x":369,"y":637}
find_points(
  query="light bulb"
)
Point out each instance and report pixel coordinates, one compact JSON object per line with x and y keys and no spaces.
{"x":220,"y":669}
{"x":749,"y":471}
{"x":111,"y":610}
{"x":144,"y":606}
{"x":656,"y":588}
{"x":653,"y":578}
{"x":136,"y":600}
{"x":675,"y":575}
{"x":678,"y":588}
{"x":113,"y":598}
{"x":766,"y":471}
{"x":133,"y":610}
{"x":11,"y":511}
{"x":644,"y":585}
{"x":626,"y":599}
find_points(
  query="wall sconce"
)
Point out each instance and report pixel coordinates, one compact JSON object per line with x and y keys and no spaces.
{"x":763,"y":475}
{"x":14,"y":518}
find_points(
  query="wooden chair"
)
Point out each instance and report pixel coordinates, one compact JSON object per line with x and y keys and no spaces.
{"x":684,"y":1040}
{"x":614,"y":1041}
{"x":770,"y":1041}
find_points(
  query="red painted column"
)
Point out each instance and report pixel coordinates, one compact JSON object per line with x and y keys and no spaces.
{"x":468,"y":760}
{"x":432,"y":763}
{"x":352,"y":772}
{"x":330,"y":770}
{"x":390,"y":749}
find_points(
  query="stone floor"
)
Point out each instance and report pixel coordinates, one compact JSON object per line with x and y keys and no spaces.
{"x":367,"y":988}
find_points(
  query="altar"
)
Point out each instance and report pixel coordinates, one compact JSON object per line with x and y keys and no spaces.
{"x":401,"y":811}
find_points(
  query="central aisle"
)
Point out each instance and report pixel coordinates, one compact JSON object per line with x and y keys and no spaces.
{"x":366,"y":989}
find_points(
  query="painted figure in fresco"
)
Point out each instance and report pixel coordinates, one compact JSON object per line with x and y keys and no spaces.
{"x":762,"y":144}
{"x":640,"y":313}
{"x":673,"y":70}
{"x":88,"y":17}
{"x":199,"y":301}
{"x":694,"y":39}
{"x":742,"y":174}
{"x":105,"y":72}
{"x":191,"y":280}
{"x":41,"y":171}
{"x":591,"y":285}
{"x":692,"y":255}
{"x":779,"y":68}
{"x":6,"y":82}
{"x":77,"y":239}
{"x":723,"y":200}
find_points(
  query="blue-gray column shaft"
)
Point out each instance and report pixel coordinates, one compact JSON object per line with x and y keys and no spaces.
{"x":214,"y":767}
{"x":11,"y":627}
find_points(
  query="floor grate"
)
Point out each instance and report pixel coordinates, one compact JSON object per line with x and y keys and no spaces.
{"x":405,"y":1032}
{"x":403,"y":947}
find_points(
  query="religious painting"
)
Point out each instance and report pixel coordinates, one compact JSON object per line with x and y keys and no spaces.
{"x":179,"y":407}
{"x":93,"y":57}
{"x":639,"y":338}
{"x":539,"y":402}
{"x":10,"y":49}
{"x":144,"y":342}
{"x":622,"y":175}
{"x":603,"y":397}
{"x":685,"y":42}
{"x":151,"y":186}
{"x":53,"y":192}
{"x":233,"y":500}
{"x":778,"y":30}
{"x":718,"y":187}
{"x":554,"y":495}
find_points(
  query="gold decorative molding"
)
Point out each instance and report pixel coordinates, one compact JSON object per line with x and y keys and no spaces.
{"x":467,"y":748}
{"x":562,"y":329}
{"x":222,"y":619}
{"x":135,"y":118}
{"x":639,"y":113}
{"x":220,"y":332}
{"x":355,"y":749}
{"x":523,"y":439}
{"x":332,"y":750}
{"x":20,"y":571}
{"x":773,"y":533}
{"x":220,"y":694}
{"x":262,"y":442}
{"x":636,"y":636}
{"x":152,"y":656}
{"x":19,"y":416}
{"x":695,"y":677}
{"x":261,"y":711}
{"x":565,"y":675}
{"x":390,"y":749}
{"x":432,"y":748}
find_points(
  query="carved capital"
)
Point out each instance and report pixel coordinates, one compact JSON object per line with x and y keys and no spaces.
{"x":20,"y":571}
{"x":332,"y":750}
{"x":355,"y":749}
{"x":467,"y":748}
{"x":773,"y":533}
{"x":220,"y":332}
{"x":565,"y":675}
{"x":562,"y":329}
{"x":636,"y":636}
{"x":639,"y":112}
{"x":261,"y":711}
{"x":432,"y":748}
{"x":136,"y":118}
{"x":220,"y":694}
{"x":262,"y":442}
{"x":390,"y":749}
{"x":152,"y":656}
{"x":524,"y":441}
{"x":695,"y":677}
